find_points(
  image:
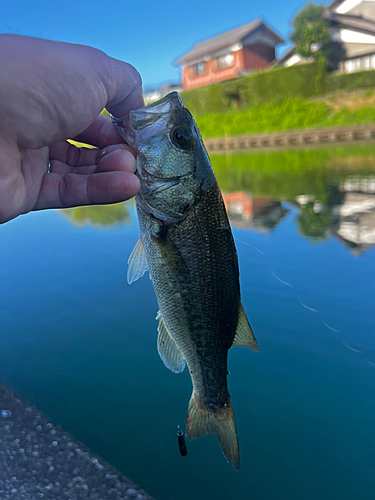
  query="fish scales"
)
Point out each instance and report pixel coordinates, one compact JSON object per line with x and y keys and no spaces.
{"x":208,"y":298}
{"x":187,"y":245}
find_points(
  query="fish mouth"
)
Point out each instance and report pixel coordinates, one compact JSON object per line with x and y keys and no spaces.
{"x":134,"y":127}
{"x":160,"y":185}
{"x":152,"y":184}
{"x":162,"y":107}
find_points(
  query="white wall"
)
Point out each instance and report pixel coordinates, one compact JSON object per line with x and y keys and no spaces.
{"x":349,"y":36}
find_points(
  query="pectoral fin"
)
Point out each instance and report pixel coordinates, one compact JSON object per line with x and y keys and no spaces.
{"x":244,"y":334}
{"x":172,"y":257}
{"x":167,"y":348}
{"x":137,"y":263}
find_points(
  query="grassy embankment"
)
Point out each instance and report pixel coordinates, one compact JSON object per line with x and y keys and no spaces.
{"x":283,"y":99}
{"x":291,"y":114}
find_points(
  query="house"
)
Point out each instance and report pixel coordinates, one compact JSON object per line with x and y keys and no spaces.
{"x":237,"y":52}
{"x":291,"y":58}
{"x":352,"y":27}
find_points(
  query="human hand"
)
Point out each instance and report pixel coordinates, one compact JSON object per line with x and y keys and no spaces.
{"x":51,"y":92}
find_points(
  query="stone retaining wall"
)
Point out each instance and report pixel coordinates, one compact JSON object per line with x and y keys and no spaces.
{"x":296,"y":138}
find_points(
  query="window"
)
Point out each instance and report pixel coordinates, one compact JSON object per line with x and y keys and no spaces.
{"x":366,"y":62}
{"x":352,"y":65}
{"x":200,"y":68}
{"x":359,"y":63}
{"x":225,"y":60}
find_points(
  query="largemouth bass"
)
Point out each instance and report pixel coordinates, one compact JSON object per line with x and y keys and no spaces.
{"x":186,"y":244}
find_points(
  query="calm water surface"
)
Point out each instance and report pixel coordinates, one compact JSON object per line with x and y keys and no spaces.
{"x":80,"y":343}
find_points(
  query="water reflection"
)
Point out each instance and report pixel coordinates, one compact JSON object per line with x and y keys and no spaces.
{"x":333,"y":190}
{"x":348,"y":214}
{"x":103,"y":216}
{"x":355,"y":216}
{"x":248,"y":212}
{"x":313,"y":220}
{"x":356,"y":219}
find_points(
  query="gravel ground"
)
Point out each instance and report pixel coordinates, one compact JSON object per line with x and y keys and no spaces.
{"x":39,"y":460}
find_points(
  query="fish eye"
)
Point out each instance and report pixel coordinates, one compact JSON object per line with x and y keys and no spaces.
{"x":182,"y":139}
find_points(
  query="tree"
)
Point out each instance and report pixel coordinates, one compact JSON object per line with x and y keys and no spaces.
{"x":311,"y":31}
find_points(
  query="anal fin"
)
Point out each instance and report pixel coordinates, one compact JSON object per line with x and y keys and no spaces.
{"x":167,"y":348}
{"x":244,"y":334}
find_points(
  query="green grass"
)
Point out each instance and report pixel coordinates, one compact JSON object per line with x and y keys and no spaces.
{"x":288,"y":115}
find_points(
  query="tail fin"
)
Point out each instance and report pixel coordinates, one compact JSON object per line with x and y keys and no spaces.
{"x":222,"y":422}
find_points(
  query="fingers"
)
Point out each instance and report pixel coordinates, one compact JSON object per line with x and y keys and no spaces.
{"x":71,"y":190}
{"x":73,"y":156}
{"x":100,"y":133}
{"x":68,"y":158}
{"x":73,"y":182}
{"x":125,"y":90}
{"x":119,"y":159}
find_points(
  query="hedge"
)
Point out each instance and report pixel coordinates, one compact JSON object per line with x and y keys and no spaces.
{"x":349,"y":81}
{"x":274,"y":85}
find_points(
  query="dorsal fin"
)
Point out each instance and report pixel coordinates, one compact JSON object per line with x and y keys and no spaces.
{"x":137,"y":262}
{"x":244,"y":334}
{"x":167,"y":348}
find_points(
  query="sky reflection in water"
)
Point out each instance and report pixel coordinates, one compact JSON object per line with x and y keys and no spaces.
{"x":81,"y":343}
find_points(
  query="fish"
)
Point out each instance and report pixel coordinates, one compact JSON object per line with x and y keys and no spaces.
{"x":187,"y":246}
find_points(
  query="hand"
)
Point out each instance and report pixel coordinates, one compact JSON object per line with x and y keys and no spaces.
{"x":51,"y":92}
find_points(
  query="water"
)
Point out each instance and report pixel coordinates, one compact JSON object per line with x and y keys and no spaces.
{"x":81,"y":344}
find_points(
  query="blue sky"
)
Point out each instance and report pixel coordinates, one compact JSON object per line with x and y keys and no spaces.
{"x":149,"y":35}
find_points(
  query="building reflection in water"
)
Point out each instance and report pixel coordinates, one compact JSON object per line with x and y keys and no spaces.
{"x":348,"y":214}
{"x":354,"y":219}
{"x":249,"y":212}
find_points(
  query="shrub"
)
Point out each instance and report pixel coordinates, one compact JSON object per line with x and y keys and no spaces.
{"x":258,"y":88}
{"x":349,"y":81}
{"x":275,"y":85}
